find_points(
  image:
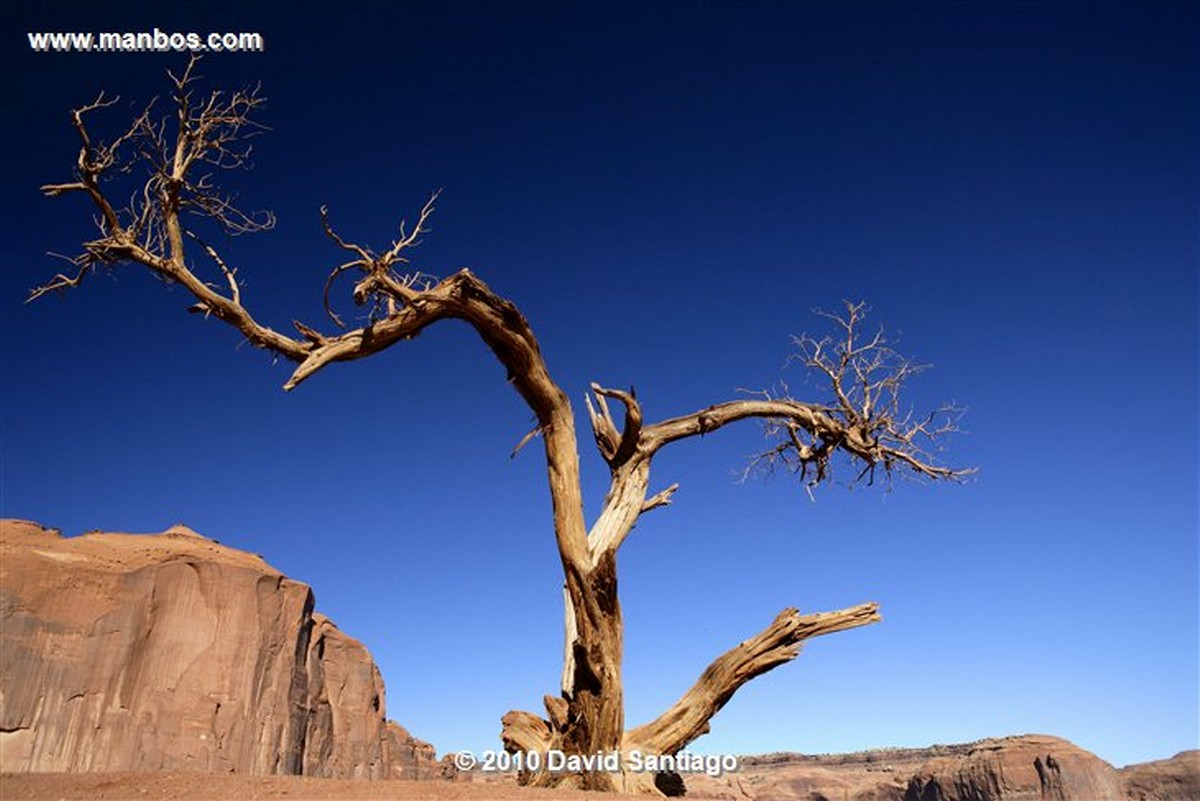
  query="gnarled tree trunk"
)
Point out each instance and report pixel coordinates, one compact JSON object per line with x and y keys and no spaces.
{"x":863,"y":420}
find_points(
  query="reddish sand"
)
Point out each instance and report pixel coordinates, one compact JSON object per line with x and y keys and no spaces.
{"x":220,"y":787}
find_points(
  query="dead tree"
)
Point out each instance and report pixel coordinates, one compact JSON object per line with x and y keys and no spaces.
{"x":172,"y":162}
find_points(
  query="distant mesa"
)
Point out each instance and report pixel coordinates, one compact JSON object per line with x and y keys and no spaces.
{"x":1031,"y":767}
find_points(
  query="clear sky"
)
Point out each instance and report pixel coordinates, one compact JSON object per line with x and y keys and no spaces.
{"x":666,"y":190}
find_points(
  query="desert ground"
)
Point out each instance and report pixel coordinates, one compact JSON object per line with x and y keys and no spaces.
{"x":207,"y":787}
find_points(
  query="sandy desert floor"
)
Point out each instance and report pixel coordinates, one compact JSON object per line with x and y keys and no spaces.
{"x":205,"y":787}
{"x":209,"y":787}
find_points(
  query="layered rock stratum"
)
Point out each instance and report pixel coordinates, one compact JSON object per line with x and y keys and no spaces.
{"x":172,"y":652}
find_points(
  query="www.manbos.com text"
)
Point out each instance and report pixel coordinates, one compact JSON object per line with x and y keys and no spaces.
{"x":155,"y":41}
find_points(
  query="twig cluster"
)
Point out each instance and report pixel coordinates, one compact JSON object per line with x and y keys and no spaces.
{"x":177,"y":156}
{"x":383,"y":285}
{"x":865,"y":377}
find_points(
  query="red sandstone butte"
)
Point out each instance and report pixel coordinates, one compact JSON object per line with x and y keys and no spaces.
{"x":171,"y":652}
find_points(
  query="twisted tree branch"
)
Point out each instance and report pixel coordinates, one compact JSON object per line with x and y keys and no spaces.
{"x":780,"y":642}
{"x":151,"y":234}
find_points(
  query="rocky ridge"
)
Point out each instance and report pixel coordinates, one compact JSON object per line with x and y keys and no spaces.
{"x":1174,"y":779}
{"x":172,"y":652}
{"x":1031,"y":767}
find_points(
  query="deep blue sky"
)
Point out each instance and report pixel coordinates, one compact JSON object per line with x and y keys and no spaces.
{"x":666,"y":190}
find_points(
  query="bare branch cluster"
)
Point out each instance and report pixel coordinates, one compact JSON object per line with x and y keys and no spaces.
{"x":177,"y":156}
{"x":212,"y":135}
{"x":383,"y":285}
{"x":865,"y":377}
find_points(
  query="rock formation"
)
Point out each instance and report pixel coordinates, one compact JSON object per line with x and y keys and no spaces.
{"x":1174,"y":779}
{"x":880,"y":775}
{"x":1028,"y":768}
{"x":123,"y":652}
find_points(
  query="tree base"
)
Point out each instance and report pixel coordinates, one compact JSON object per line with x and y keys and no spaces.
{"x":687,"y":719}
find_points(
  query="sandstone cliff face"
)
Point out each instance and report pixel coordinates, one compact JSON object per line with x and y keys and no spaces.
{"x":344,"y":738}
{"x":123,"y":652}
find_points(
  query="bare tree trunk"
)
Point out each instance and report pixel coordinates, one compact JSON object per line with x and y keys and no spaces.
{"x":864,"y":420}
{"x":588,"y":717}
